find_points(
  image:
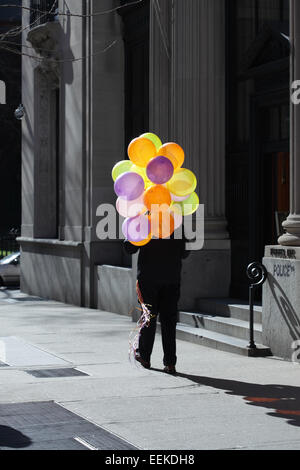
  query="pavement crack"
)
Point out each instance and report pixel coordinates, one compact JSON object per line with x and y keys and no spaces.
{"x":179,"y":387}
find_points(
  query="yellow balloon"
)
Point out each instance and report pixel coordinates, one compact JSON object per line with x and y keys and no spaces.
{"x":121,"y":167}
{"x":182,"y":183}
{"x":148,"y":184}
{"x":142,"y":171}
{"x":190,"y":205}
{"x":154,"y":139}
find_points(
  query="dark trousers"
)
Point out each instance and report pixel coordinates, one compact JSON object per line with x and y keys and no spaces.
{"x":162,"y":299}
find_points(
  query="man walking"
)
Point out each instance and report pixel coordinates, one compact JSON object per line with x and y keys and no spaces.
{"x":158,"y":281}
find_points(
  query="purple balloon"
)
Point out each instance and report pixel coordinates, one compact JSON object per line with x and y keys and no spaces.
{"x":136,"y":229}
{"x":129,"y":186}
{"x":160,"y":170}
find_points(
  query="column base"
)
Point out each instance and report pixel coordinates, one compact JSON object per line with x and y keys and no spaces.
{"x":292,"y":235}
{"x":281,"y":301}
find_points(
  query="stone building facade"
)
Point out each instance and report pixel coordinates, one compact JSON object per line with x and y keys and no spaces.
{"x":74,"y":132}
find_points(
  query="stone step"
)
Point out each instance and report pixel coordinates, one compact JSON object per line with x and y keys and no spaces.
{"x":224,"y":325}
{"x":219,"y":341}
{"x":229,"y":308}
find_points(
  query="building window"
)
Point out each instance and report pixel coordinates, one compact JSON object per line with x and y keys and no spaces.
{"x":43,"y":11}
{"x":246,"y":19}
{"x":2,"y":92}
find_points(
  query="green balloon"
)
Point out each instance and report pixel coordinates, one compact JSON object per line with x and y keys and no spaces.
{"x":121,"y":167}
{"x":154,"y":139}
{"x":190,"y":205}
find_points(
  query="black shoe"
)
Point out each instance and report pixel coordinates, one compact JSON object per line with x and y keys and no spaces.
{"x":145,"y":364}
{"x":170,"y":370}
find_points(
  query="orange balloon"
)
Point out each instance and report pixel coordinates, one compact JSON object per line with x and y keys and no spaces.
{"x":143,"y":242}
{"x":141,"y":151}
{"x":162,"y":224}
{"x":173,"y":152}
{"x":157,"y":196}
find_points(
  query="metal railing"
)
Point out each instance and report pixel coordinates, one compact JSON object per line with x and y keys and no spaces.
{"x":258,"y":274}
{"x":42,"y":11}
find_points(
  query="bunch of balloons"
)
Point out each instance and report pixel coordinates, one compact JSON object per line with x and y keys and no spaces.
{"x":154,"y":191}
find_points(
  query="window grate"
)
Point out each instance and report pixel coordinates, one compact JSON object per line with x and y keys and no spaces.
{"x":52,"y":373}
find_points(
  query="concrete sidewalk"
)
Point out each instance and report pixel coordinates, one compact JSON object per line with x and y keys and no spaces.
{"x":217,"y":401}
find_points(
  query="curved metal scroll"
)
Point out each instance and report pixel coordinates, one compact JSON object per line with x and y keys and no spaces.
{"x":258,"y":274}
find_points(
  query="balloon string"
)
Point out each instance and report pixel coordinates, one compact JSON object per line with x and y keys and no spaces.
{"x":143,"y":321}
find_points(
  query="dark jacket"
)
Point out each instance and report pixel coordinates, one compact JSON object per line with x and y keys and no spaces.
{"x":160,"y":260}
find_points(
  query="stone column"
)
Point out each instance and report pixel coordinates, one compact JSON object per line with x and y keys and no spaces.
{"x":292,"y":224}
{"x":198,"y":101}
{"x":187,"y":94}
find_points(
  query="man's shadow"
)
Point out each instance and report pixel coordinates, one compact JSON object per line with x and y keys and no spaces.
{"x":282,"y":400}
{"x":12,"y":438}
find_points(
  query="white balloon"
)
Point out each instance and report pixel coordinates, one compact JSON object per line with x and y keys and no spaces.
{"x":130,"y":208}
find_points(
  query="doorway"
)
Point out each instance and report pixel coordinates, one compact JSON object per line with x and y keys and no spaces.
{"x":269,"y":171}
{"x":276,"y":195}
